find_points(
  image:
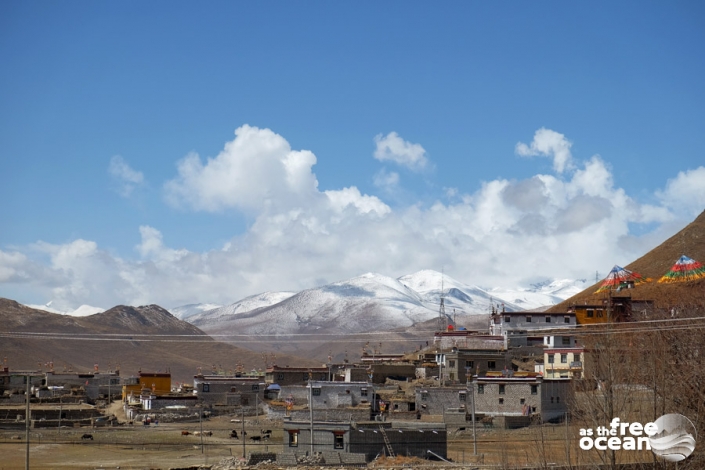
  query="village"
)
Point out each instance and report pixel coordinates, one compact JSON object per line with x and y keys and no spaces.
{"x":460,"y":391}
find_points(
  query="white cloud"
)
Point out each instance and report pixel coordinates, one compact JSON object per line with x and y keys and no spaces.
{"x":127,"y":178}
{"x":686,"y":192}
{"x":393,"y":148}
{"x":386,"y":180}
{"x":12,"y":267}
{"x":548,"y":143}
{"x":256,"y":170}
{"x":364,"y":204}
{"x":504,"y":234}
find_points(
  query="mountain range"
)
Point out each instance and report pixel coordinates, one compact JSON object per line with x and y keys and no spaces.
{"x":328,"y":320}
{"x":400,"y":310}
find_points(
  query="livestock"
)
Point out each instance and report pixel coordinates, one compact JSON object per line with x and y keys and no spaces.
{"x":197,"y":433}
{"x":185,"y":433}
{"x":256,"y":438}
{"x":268,"y":431}
{"x":87,"y":436}
{"x":207,"y":433}
{"x":233,"y":434}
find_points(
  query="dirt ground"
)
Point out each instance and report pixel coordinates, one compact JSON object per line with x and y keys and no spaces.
{"x":134,"y":447}
{"x":164,"y":447}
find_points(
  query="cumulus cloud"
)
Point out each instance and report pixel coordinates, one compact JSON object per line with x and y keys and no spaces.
{"x":507,"y":233}
{"x":126,"y":178}
{"x":548,"y":143}
{"x":686,"y":192}
{"x":257,"y":169}
{"x":395,"y":149}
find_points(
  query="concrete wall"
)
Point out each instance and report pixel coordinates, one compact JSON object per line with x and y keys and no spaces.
{"x":413,"y":439}
{"x":435,"y":401}
{"x":488,"y":402}
{"x":332,"y":394}
{"x":297,"y":375}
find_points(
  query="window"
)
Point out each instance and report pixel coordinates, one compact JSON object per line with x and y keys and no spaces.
{"x":462,"y":396}
{"x":363,"y":392}
{"x":534,"y":389}
{"x":316,"y":392}
{"x":599,"y":313}
{"x":566,"y":340}
{"x":566,"y":319}
{"x":551,"y":399}
{"x":469,"y":364}
{"x":424,"y":395}
{"x":338,"y":443}
{"x":551,"y":358}
{"x":507,"y":319}
{"x":451,"y":363}
{"x":280,"y":376}
{"x":501,"y":401}
{"x":293,"y":438}
{"x":206,"y":387}
{"x":480,"y":389}
{"x":305,"y":376}
{"x":548,"y":319}
{"x":490,"y":364}
{"x":558,"y":399}
{"x":528,"y":319}
{"x":501,"y":389}
{"x":522,"y":401}
{"x":590,"y":313}
{"x":255,"y":387}
{"x":244,"y":400}
{"x":564,"y":359}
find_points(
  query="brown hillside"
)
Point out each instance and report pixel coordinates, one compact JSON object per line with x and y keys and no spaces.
{"x":147,"y":338}
{"x":690,"y":242}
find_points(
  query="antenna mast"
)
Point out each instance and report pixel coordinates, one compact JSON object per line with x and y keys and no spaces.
{"x":442,"y":310}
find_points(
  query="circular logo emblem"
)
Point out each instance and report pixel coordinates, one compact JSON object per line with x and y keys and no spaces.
{"x":675,"y":438}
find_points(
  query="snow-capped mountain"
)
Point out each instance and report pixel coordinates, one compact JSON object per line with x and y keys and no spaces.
{"x":540,"y":295}
{"x":82,"y":311}
{"x":186,"y":311}
{"x":247,"y":304}
{"x":371,"y":302}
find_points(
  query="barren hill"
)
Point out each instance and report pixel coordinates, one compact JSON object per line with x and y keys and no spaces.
{"x":131,"y":338}
{"x":691,"y":242}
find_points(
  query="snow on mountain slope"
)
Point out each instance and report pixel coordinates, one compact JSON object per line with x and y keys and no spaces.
{"x":540,"y":295}
{"x":247,"y":304}
{"x":366,"y":303}
{"x":82,"y":311}
{"x":463,"y":298}
{"x":371,"y":302}
{"x":184,"y":312}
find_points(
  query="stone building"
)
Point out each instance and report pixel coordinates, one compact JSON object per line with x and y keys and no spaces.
{"x":521,"y":396}
{"x":296,"y":375}
{"x":364,"y":438}
{"x":229,"y":390}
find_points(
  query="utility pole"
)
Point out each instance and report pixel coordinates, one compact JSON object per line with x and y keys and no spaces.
{"x":200,"y":420}
{"x":310,"y":407}
{"x":474,"y":436}
{"x":27,"y":419}
{"x":243,"y":430}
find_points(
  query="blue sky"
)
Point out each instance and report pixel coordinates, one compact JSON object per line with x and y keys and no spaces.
{"x":404,"y":122}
